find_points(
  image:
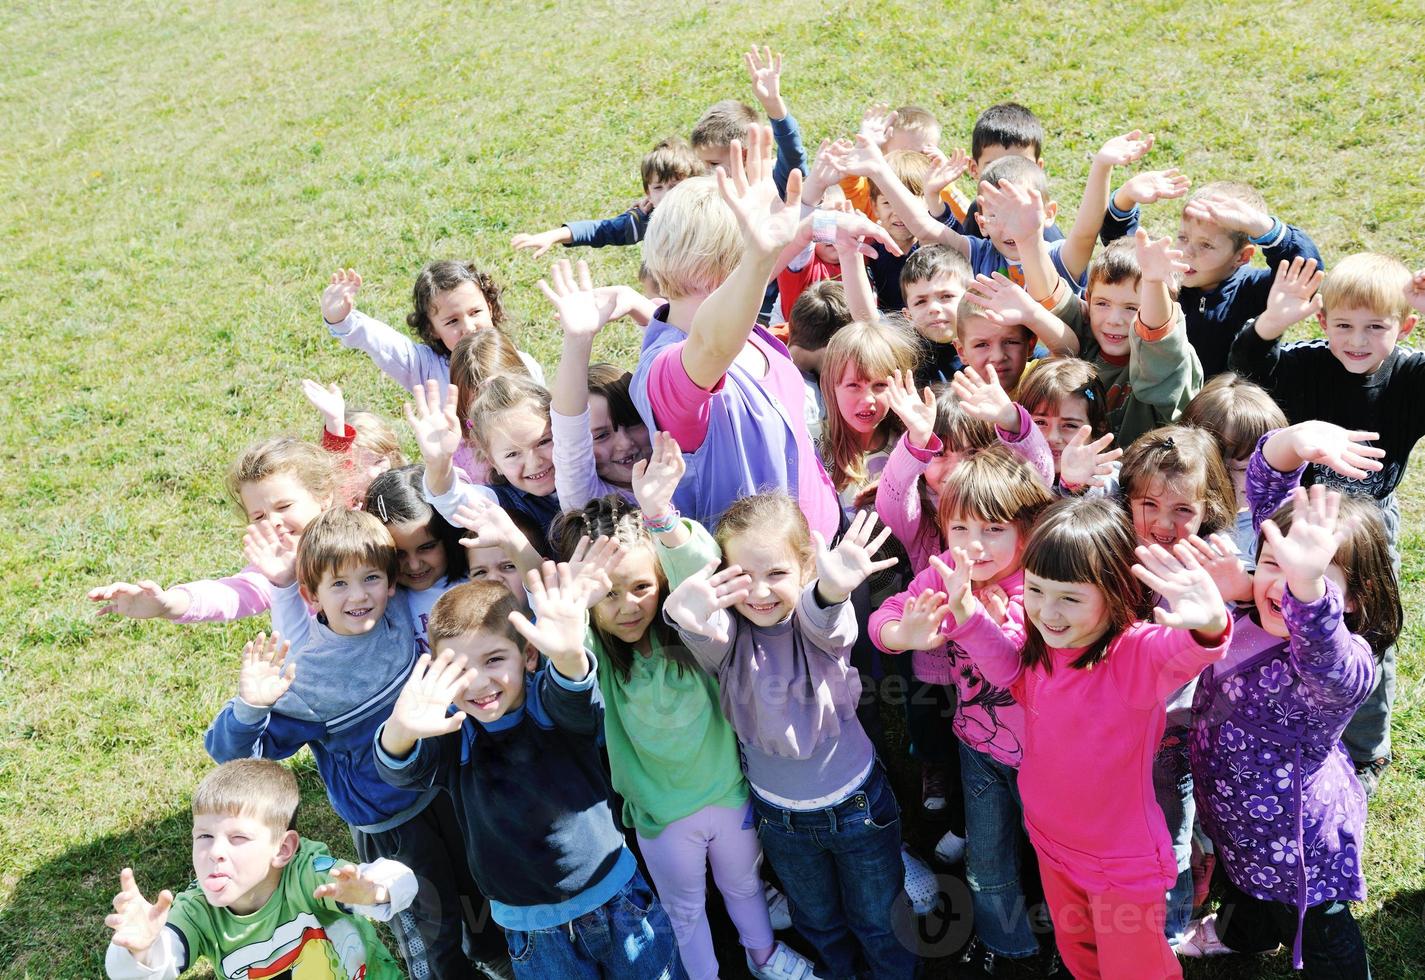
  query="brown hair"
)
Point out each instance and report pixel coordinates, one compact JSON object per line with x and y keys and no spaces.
{"x":771,"y":516}
{"x":474,"y":607}
{"x":260,"y":788}
{"x":1115,"y":263}
{"x":911,"y":167}
{"x":1019,"y":171}
{"x":1368,"y":281}
{"x":1051,"y":380}
{"x":498,"y":395}
{"x":611,"y":382}
{"x":1089,"y":541}
{"x":722,"y":123}
{"x":376,"y":435}
{"x":1364,"y":560}
{"x":914,"y":119}
{"x":1187,"y":458}
{"x":340,"y":537}
{"x":477,"y":358}
{"x":934,"y":261}
{"x":1236,"y":412}
{"x":995,"y":485}
{"x":670,"y":160}
{"x":818,"y":313}
{"x":873,"y":348}
{"x":314,"y":468}
{"x":1237,"y":191}
{"x":441,"y":277}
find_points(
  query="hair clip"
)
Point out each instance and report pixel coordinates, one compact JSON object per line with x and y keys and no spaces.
{"x":381,"y":506}
{"x":1166,"y":443}
{"x":470,"y":424}
{"x":1088,"y":394}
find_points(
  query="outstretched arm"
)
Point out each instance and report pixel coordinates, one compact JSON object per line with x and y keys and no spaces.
{"x":865,"y":160}
{"x":1079,"y":245}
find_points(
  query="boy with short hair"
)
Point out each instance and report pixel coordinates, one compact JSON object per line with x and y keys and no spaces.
{"x":730,"y":119}
{"x":933,"y":281}
{"x":818,"y":313}
{"x":266,"y":902}
{"x":347,"y":664}
{"x":520,"y":758}
{"x":911,"y":127}
{"x":1222,"y":226}
{"x":670,"y":162}
{"x":1358,"y":377}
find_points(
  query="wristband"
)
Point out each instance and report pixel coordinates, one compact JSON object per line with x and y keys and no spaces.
{"x":661,"y":524}
{"x":823,"y":228}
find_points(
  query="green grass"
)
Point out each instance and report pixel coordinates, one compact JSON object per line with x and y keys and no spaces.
{"x":178,"y":178}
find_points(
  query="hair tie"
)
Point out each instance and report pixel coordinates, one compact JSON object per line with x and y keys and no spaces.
{"x":381,"y":507}
{"x":1088,"y":394}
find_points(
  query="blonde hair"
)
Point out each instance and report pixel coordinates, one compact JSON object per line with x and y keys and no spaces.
{"x":670,"y":160}
{"x":314,"y":468}
{"x":910,"y":167}
{"x":1367,"y":281}
{"x":1236,"y":412}
{"x":477,"y":358}
{"x":1237,"y":191}
{"x":722,"y":123}
{"x":993,"y":484}
{"x":258,"y":788}
{"x":498,"y":395}
{"x":914,"y":119}
{"x":376,"y":435}
{"x":873,"y":349}
{"x":769,"y":516}
{"x":338,"y":538}
{"x":693,"y":242}
{"x":474,"y":607}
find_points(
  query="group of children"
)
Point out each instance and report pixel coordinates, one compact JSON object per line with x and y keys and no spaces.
{"x":616,"y":632}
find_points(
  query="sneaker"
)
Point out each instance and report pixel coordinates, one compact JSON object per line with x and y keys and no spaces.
{"x":784,"y":964}
{"x":978,"y":959}
{"x":779,"y":910}
{"x":921,"y":886}
{"x":951,"y":849}
{"x":932,"y":788}
{"x":1201,"y":940}
{"x":1370,"y":773}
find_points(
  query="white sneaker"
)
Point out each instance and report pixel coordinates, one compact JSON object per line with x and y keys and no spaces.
{"x":951,"y":848}
{"x":1201,"y":940}
{"x":779,"y":910}
{"x":921,"y":886}
{"x":784,"y":964}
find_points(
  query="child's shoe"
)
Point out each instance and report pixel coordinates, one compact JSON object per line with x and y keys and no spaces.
{"x":921,"y":886}
{"x":978,"y":960}
{"x":785,"y":963}
{"x":1201,"y":940}
{"x":932,"y":788}
{"x":951,"y":849}
{"x":779,"y":910}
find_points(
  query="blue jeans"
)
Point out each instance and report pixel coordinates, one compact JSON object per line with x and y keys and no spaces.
{"x":841,"y":869}
{"x":1172,"y":785}
{"x":993,"y":816}
{"x":629,"y":936}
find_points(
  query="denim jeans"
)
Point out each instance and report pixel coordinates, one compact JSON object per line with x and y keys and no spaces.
{"x":1172,"y":785}
{"x":629,"y":937}
{"x":841,"y":869}
{"x":993,"y":817}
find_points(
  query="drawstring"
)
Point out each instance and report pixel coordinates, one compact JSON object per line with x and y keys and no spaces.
{"x":1300,"y":858}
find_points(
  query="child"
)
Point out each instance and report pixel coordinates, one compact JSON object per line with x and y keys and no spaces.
{"x":1066,"y":401}
{"x":860,"y":429}
{"x":987,"y":507}
{"x":450,"y":300}
{"x":775,"y":628}
{"x":592,"y":456}
{"x":1223,"y":224}
{"x":1277,"y":791}
{"x":498,"y":548}
{"x":429,"y":555}
{"x":672,"y":755}
{"x":911,"y":127}
{"x":266,"y":902}
{"x":997,"y":325}
{"x":520,"y":760}
{"x":668,"y":163}
{"x":365,"y":442}
{"x":818,"y":313}
{"x":732,"y":121}
{"x":1358,"y":378}
{"x":284,"y":481}
{"x":1093,"y":676}
{"x":907,"y":169}
{"x":1237,"y":413}
{"x":348,"y":663}
{"x":933,"y":281}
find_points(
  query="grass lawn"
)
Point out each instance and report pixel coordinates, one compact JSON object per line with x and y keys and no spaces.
{"x":177,"y":179}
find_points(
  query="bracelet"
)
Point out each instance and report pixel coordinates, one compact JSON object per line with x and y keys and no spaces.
{"x":823,"y":228}
{"x":661,"y":524}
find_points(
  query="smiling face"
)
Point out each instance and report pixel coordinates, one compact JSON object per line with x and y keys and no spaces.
{"x":1058,"y":424}
{"x":887,"y":219}
{"x":931,"y":306}
{"x":938,"y":470}
{"x":352,"y":598}
{"x":776,"y":573}
{"x":628,"y":609}
{"x":282,"y":499}
{"x":1166,"y":512}
{"x":459,"y":312}
{"x":994,"y":547}
{"x":499,"y":666}
{"x":1113,"y":306}
{"x":616,"y":447}
{"x":1269,"y":585}
{"x":238,"y":861}
{"x":1209,"y":253}
{"x":1069,"y":615}
{"x":861,"y":402}
{"x":421,"y":554}
{"x":521,"y":449}
{"x":983,"y":344}
{"x":1362,"y":339}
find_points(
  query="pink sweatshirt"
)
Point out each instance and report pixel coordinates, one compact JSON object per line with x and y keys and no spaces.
{"x":987,"y":718}
{"x":1086,"y":777}
{"x":248,"y":593}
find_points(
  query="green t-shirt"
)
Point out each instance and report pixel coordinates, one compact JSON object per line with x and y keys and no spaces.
{"x":292,"y":936}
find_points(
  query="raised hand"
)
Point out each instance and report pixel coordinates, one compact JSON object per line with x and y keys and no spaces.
{"x":1018,"y":212}
{"x":823,"y":174}
{"x":490,"y":527}
{"x":339,"y":297}
{"x":139,"y":600}
{"x":765,"y":71}
{"x":841,"y":569}
{"x":695,"y":604}
{"x":767,"y":220}
{"x":1192,"y":597}
{"x":1087,"y":464}
{"x":1229,"y":214}
{"x":945,"y":172}
{"x":580,"y":313}
{"x":995,"y":601}
{"x":1122,"y":150}
{"x":985,"y":398}
{"x":877,"y":122}
{"x":656,"y":478}
{"x":852,"y":230}
{"x":957,"y":584}
{"x":862,"y":158}
{"x":137,"y":923}
{"x":1153,"y":185}
{"x":435,"y":423}
{"x":1005,"y":301}
{"x":919,"y":626}
{"x":590,"y":566}
{"x":1415,"y":291}
{"x":1293,"y":298}
{"x":262,"y":679}
{"x":419,"y":713}
{"x":329,"y":403}
{"x":1343,"y":450}
{"x":539,"y":242}
{"x":347,"y":887}
{"x":1218,"y":555}
{"x":1307,"y":549}
{"x":916,"y":410}
{"x":559,"y":599}
{"x":1158,"y":260}
{"x":273,"y":551}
